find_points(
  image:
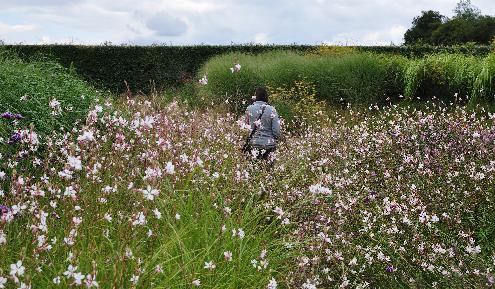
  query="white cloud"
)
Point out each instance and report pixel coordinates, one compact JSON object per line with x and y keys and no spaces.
{"x":18,"y":28}
{"x":166,"y":25}
{"x":261,"y":38}
{"x":348,"y":22}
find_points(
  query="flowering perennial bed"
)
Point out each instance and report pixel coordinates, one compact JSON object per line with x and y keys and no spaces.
{"x":161,"y":197}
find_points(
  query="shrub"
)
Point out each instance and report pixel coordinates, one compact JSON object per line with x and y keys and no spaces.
{"x":145,"y":68}
{"x":484,"y":86}
{"x":354,"y":77}
{"x":297,"y":105}
{"x":28,"y":88}
{"x":332,"y":50}
{"x":445,"y":76}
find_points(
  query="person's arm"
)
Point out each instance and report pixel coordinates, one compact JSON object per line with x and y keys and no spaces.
{"x":275,"y":124}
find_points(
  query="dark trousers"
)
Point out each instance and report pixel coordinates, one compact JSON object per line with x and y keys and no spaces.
{"x":263,"y":153}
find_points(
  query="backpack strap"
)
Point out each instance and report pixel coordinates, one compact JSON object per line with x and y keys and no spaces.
{"x":255,"y":126}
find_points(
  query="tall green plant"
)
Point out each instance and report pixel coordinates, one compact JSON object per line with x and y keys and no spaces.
{"x":447,"y":77}
{"x":361,"y":78}
{"x":33,"y":90}
{"x":484,"y":86}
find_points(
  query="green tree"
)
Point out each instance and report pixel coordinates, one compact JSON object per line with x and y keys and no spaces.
{"x":459,"y":30}
{"x":467,"y":25}
{"x":423,"y":27}
{"x":465,"y":10}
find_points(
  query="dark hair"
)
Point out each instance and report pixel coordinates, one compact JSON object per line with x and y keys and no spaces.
{"x":261,"y":94}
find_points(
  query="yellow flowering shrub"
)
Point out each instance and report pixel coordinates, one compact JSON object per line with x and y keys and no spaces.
{"x":297,"y":104}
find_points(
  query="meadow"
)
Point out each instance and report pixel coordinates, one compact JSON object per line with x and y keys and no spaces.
{"x":154,"y":191}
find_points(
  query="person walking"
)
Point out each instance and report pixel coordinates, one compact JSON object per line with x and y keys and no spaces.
{"x":265,"y":126}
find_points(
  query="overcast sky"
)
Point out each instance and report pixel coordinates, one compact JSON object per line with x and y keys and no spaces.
{"x":346,"y":22}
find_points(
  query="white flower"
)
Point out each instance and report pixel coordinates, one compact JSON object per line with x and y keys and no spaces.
{"x":150,"y":193}
{"x":54,"y":103}
{"x":353,"y":262}
{"x":3,"y":238}
{"x":170,"y":168}
{"x":236,"y":68}
{"x":319,"y":189}
{"x":78,"y":277}
{"x":308,"y":285}
{"x":227,"y":256}
{"x":91,"y":281}
{"x":3,"y":280}
{"x":55,"y":106}
{"x":473,"y":250}
{"x":240,"y":233}
{"x":134,"y":279}
{"x":434,"y":219}
{"x":157,"y":213}
{"x":210,"y":265}
{"x":70,"y":270}
{"x":56,"y":280}
{"x":24,"y":286}
{"x":140,"y":219}
{"x":2,"y":175}
{"x":177,"y":216}
{"x":86,"y":136}
{"x":196,"y":282}
{"x":70,"y":192}
{"x":204,"y":80}
{"x":17,"y":269}
{"x":74,"y":162}
{"x":272,"y":284}
{"x":108,"y":217}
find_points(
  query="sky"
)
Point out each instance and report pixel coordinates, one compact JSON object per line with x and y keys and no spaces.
{"x":183,"y":22}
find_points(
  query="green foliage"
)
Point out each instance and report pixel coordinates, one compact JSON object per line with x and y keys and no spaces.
{"x":145,"y":68}
{"x":422,"y":49}
{"x":28,"y":87}
{"x":298,"y":106}
{"x":465,"y":9}
{"x":484,"y":86}
{"x":442,"y":76}
{"x":423,"y":27}
{"x":468,"y":25}
{"x":463,"y":30}
{"x":357,"y":77}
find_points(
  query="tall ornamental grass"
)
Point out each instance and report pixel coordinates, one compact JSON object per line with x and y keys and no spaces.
{"x":358,"y":78}
{"x":484,"y":86}
{"x":450,"y":77}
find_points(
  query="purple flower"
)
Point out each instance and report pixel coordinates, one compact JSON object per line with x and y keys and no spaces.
{"x":15,"y":138}
{"x":3,"y":210}
{"x":371,"y":197}
{"x":390,"y":269}
{"x":9,"y":115}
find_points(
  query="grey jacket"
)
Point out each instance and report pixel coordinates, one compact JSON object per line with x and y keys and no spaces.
{"x":268,"y":131}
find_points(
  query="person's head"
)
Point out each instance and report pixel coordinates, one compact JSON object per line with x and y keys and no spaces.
{"x":261,"y":94}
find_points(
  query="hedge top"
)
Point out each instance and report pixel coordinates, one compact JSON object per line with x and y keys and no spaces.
{"x":145,"y":68}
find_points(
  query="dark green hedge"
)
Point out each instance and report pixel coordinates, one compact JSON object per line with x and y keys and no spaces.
{"x":148,"y":67}
{"x":423,"y":50}
{"x":143,"y":67}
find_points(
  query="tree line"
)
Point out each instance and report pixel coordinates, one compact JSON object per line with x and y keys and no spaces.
{"x":467,"y":25}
